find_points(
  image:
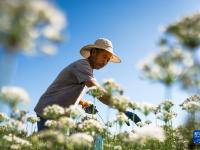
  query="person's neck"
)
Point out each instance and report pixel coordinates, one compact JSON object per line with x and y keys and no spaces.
{"x":90,"y":60}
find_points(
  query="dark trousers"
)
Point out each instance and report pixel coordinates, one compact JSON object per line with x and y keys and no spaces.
{"x":41,"y":124}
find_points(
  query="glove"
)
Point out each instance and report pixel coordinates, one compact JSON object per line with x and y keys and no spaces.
{"x":91,"y":109}
{"x":84,"y":103}
{"x":88,"y":107}
{"x":134,"y":117}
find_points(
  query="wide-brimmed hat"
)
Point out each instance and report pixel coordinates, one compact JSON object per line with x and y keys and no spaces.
{"x":100,"y":43}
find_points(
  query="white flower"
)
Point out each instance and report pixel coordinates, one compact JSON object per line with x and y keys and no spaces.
{"x":186,"y":28}
{"x":17,"y":125}
{"x":14,"y":139}
{"x":92,"y":126}
{"x":52,"y":33}
{"x":121,"y":118}
{"x":14,"y":95}
{"x":142,"y":134}
{"x":30,"y":16}
{"x":56,"y":17}
{"x":146,"y":108}
{"x":166,"y":116}
{"x":120,"y":102}
{"x":51,"y":138}
{"x":193,"y":98}
{"x":112,"y":86}
{"x":175,"y":69}
{"x":62,"y":123}
{"x":108,"y":146}
{"x":133,"y":105}
{"x":166,"y":105}
{"x":65,"y":122}
{"x":15,"y":146}
{"x":188,"y":61}
{"x":155,"y":70}
{"x":96,"y":91}
{"x":89,"y":116}
{"x":117,"y":147}
{"x":81,"y":140}
{"x":6,"y":128}
{"x":166,"y":66}
{"x":126,"y":137}
{"x":111,"y":82}
{"x":3,"y":117}
{"x":73,"y":111}
{"x":51,"y":123}
{"x":191,"y":106}
{"x":53,"y":111}
{"x":33,"y":119}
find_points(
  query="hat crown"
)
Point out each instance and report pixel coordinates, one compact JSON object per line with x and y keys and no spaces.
{"x":101,"y":43}
{"x":104,"y":43}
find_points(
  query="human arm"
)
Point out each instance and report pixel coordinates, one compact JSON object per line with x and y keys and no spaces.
{"x":105,"y":98}
{"x":84,"y":74}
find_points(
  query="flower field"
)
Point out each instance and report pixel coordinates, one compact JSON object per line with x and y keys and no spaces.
{"x":35,"y":28}
{"x":72,"y":128}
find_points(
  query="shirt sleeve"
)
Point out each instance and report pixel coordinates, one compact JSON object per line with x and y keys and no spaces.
{"x":83,"y":71}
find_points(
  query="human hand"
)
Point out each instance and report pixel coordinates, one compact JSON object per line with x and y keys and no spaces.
{"x":91,"y":109}
{"x":134,"y":117}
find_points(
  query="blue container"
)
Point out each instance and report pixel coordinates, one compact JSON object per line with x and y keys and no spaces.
{"x":98,"y":145}
{"x":196,"y":136}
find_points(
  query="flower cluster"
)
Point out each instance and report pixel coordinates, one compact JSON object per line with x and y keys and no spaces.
{"x":112,"y":87}
{"x":166,"y":105}
{"x":51,"y":124}
{"x":33,"y":119}
{"x":142,"y":134}
{"x":73,"y":111}
{"x":166,"y":116}
{"x":63,"y":123}
{"x":3,"y":117}
{"x":146,"y":108}
{"x":27,"y":29}
{"x":166,"y":66}
{"x":81,"y":140}
{"x":121,"y":118}
{"x":49,"y":139}
{"x":120,"y":102}
{"x":165,"y":112}
{"x":95,"y":92}
{"x":53,"y":112}
{"x":13,"y":95}
{"x":92,"y":126}
{"x":191,"y":104}
{"x":186,"y":30}
{"x":16,"y":142}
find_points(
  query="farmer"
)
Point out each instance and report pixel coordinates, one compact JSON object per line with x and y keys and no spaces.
{"x":69,"y":84}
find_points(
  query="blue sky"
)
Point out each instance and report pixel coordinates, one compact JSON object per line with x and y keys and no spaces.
{"x":131,"y":25}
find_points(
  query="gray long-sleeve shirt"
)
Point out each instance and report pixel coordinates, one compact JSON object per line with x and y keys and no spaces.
{"x":67,"y":87}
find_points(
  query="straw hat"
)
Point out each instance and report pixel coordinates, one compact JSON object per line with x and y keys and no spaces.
{"x":100,"y":43}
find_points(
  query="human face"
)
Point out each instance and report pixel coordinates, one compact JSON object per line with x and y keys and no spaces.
{"x":100,"y":58}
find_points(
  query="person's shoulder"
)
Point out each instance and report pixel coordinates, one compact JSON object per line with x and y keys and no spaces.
{"x":82,"y":62}
{"x":77,"y":65}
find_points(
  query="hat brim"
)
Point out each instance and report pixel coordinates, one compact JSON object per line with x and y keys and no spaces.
{"x":85,"y":52}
